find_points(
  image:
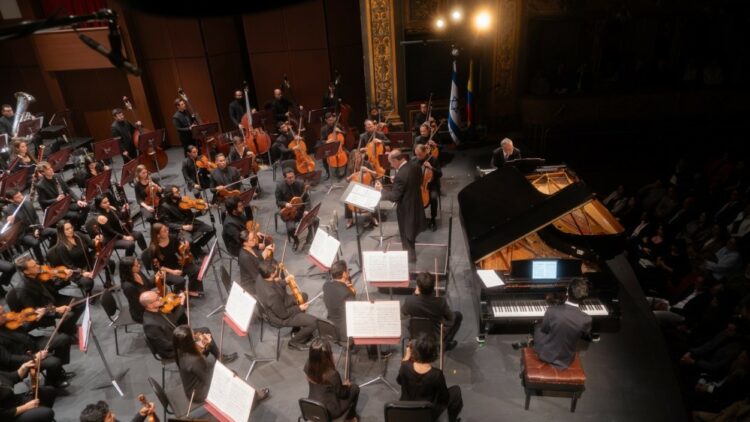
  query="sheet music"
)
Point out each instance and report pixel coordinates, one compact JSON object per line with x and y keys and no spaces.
{"x":362,"y":196}
{"x":240,"y":306}
{"x":386,"y":266}
{"x":324,"y":248}
{"x":379,"y":319}
{"x":230,"y":394}
{"x":490,"y":278}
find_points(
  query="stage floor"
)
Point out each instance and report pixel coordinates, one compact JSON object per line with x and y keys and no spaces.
{"x":629,"y":375}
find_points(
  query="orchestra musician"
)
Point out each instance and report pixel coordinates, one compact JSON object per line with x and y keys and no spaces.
{"x":224,"y":175}
{"x":7,"y":270}
{"x":21,"y":152}
{"x":196,"y":179}
{"x":111,"y":226}
{"x":372,"y":134}
{"x":158,"y":328}
{"x":33,"y":232}
{"x":183,"y":223}
{"x":234,"y":224}
{"x":287,"y":189}
{"x":183,"y":122}
{"x":250,"y":256}
{"x":325,"y":384}
{"x":425,"y":304}
{"x":237,"y":108}
{"x":75,"y":251}
{"x":424,"y":134}
{"x":100,"y":412}
{"x":280,"y":105}
{"x":51,"y":188}
{"x":505,"y":153}
{"x":427,"y":161}
{"x":121,"y":128}
{"x":377,"y":117}
{"x":281,"y":308}
{"x":24,"y":407}
{"x":146,"y":192}
{"x":164,"y":248}
{"x":33,"y":293}
{"x":329,"y":126}
{"x":6,"y":120}
{"x":239,"y":151}
{"x":406,"y":192}
{"x":336,"y":293}
{"x":134,"y":282}
{"x":280,"y":148}
{"x":331,"y":98}
{"x":420,"y":117}
{"x":91,"y":168}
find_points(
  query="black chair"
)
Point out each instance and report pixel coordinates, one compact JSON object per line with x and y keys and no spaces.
{"x":161,"y":395}
{"x":313,"y":411}
{"x":265,"y":320}
{"x":408,"y":411}
{"x":164,"y":361}
{"x":328,"y":331}
{"x":12,"y":300}
{"x":173,"y":404}
{"x":116,"y":319}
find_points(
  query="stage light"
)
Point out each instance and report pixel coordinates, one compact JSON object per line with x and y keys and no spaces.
{"x":456,"y":15}
{"x":440,"y":23}
{"x":482,"y":20}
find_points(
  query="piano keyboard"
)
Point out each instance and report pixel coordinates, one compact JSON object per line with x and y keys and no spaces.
{"x":537,"y":308}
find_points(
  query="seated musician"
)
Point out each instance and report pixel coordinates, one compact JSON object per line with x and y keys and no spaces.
{"x":33,"y":293}
{"x":357,"y":170}
{"x":336,"y":293}
{"x":281,"y":307}
{"x":184,"y":223}
{"x":147,"y":193}
{"x":285,"y":191}
{"x":16,"y":344}
{"x":239,"y":151}
{"x":372,"y":134}
{"x":158,"y":328}
{"x":424,"y":134}
{"x":21,"y":152}
{"x":329,"y":126}
{"x":234,"y":224}
{"x":420,"y":381}
{"x":77,"y":252}
{"x":325,"y":384}
{"x":51,"y":188}
{"x":123,"y":129}
{"x":196,"y":179}
{"x":195,"y":370}
{"x":90,"y":169}
{"x":134,"y":282}
{"x":164,"y":250}
{"x":109,"y":223}
{"x":505,"y":153}
{"x":251,"y":255}
{"x":420,"y":117}
{"x":222,"y":176}
{"x":555,"y":340}
{"x":377,"y":117}
{"x":24,"y":407}
{"x":424,"y":304}
{"x":280,"y":148}
{"x":100,"y":412}
{"x":427,"y":161}
{"x":33,"y":232}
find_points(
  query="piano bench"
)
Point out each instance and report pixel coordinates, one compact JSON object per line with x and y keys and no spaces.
{"x":541,"y":376}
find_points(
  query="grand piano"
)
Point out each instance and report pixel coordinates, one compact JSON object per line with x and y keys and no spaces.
{"x":511,"y":218}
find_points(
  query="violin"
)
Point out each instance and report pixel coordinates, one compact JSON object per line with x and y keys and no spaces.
{"x":15,"y":320}
{"x":170,"y":302}
{"x":293,"y":212}
{"x":152,"y":195}
{"x":150,"y":416}
{"x":202,"y":340}
{"x":188,"y":203}
{"x":204,"y":163}
{"x":292,"y":283}
{"x":47,"y":273}
{"x":185,"y":256}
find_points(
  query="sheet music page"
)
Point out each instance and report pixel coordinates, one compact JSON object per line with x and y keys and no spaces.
{"x":490,"y":278}
{"x":386,"y":266}
{"x":362,"y":196}
{"x":240,"y":306}
{"x":230,"y":394}
{"x":324,"y":248}
{"x":379,"y":319}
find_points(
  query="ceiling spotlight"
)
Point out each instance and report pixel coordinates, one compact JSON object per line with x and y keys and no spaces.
{"x":482,"y":20}
{"x":440,"y":23}
{"x":456,"y":15}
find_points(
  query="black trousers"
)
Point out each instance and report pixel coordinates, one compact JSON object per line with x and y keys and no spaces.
{"x":409,"y":243}
{"x":454,"y":405}
{"x":43,"y":413}
{"x":129,"y":245}
{"x":434,"y":195}
{"x":451,"y":330}
{"x":191,"y":271}
{"x":291,"y":227}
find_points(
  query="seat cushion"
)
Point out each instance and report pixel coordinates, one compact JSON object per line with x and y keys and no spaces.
{"x":538,"y":372}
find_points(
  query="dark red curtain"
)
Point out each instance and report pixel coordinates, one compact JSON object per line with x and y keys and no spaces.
{"x":72,"y":7}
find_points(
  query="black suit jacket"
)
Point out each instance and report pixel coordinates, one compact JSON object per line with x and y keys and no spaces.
{"x":556,"y":338}
{"x":193,"y":175}
{"x":47,"y":191}
{"x":285,"y":192}
{"x":6,"y":126}
{"x":335,"y":296}
{"x":159,"y":331}
{"x":225,"y":177}
{"x":182,"y":122}
{"x":249,"y":272}
{"x":279,"y":305}
{"x":236,"y":111}
{"x":124,"y":130}
{"x":233,"y":226}
{"x":498,"y":158}
{"x":406,"y":192}
{"x":27,"y":214}
{"x":434,"y":308}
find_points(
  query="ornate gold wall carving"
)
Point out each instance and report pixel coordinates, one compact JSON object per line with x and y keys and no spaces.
{"x":381,"y":40}
{"x":419,"y":15}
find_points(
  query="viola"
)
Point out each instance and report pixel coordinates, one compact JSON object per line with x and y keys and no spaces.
{"x":188,"y":203}
{"x":226,"y":193}
{"x":170,"y":302}
{"x":152,"y":195}
{"x":47,"y":273}
{"x":150,"y":416}
{"x":293,"y":212}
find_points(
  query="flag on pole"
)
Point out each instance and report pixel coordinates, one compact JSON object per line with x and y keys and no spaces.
{"x":454,"y":116}
{"x":470,"y":95}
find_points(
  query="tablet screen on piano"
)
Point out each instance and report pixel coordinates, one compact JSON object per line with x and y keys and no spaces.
{"x":543,"y":270}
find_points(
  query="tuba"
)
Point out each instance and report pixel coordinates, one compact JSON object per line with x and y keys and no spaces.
{"x":22,"y":105}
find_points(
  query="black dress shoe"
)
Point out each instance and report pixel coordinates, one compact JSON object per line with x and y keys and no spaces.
{"x":263,"y":394}
{"x":301,"y":347}
{"x":62,"y":384}
{"x":433,"y":226}
{"x":295,"y":245}
{"x":68,"y":374}
{"x":229,"y":357}
{"x":519,"y":345}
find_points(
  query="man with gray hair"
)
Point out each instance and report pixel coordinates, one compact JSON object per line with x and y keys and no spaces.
{"x":505,"y":153}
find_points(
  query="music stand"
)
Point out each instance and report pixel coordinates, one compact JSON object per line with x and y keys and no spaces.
{"x":128,"y":171}
{"x":247,"y":196}
{"x":106,"y":149}
{"x":307,"y":220}
{"x":9,"y":237}
{"x":97,"y":185}
{"x":148,"y":143}
{"x":30,"y":127}
{"x":312,"y":178}
{"x":402,"y":140}
{"x":201,"y":132}
{"x":58,"y":159}
{"x":243,"y":165}
{"x":56,"y":211}
{"x":16,"y":180}
{"x":102,"y":258}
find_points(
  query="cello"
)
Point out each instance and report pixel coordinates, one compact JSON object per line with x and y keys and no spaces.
{"x":374,"y":150}
{"x":256,"y":139}
{"x":304,"y":163}
{"x":340,"y":159}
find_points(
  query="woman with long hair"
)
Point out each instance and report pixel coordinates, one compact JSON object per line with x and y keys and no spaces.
{"x":165,"y":249}
{"x":134,"y":282}
{"x":76,"y":252}
{"x":325,"y":382}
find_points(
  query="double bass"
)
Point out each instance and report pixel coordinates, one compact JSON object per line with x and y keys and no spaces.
{"x":256,"y":139}
{"x":336,"y":135}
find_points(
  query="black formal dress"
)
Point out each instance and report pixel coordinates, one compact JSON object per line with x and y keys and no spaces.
{"x":79,"y":256}
{"x":194,"y":176}
{"x":284,"y":193}
{"x":406,"y":192}
{"x":283,"y":311}
{"x":556,"y":338}
{"x":168,"y":256}
{"x":140,"y":197}
{"x":337,"y":397}
{"x":195,"y":374}
{"x":437,"y":310}
{"x":430,"y":387}
{"x":335,"y":296}
{"x":113,"y":229}
{"x":132,"y":292}
{"x":124,"y":130}
{"x":499,"y":158}
{"x":182,"y":121}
